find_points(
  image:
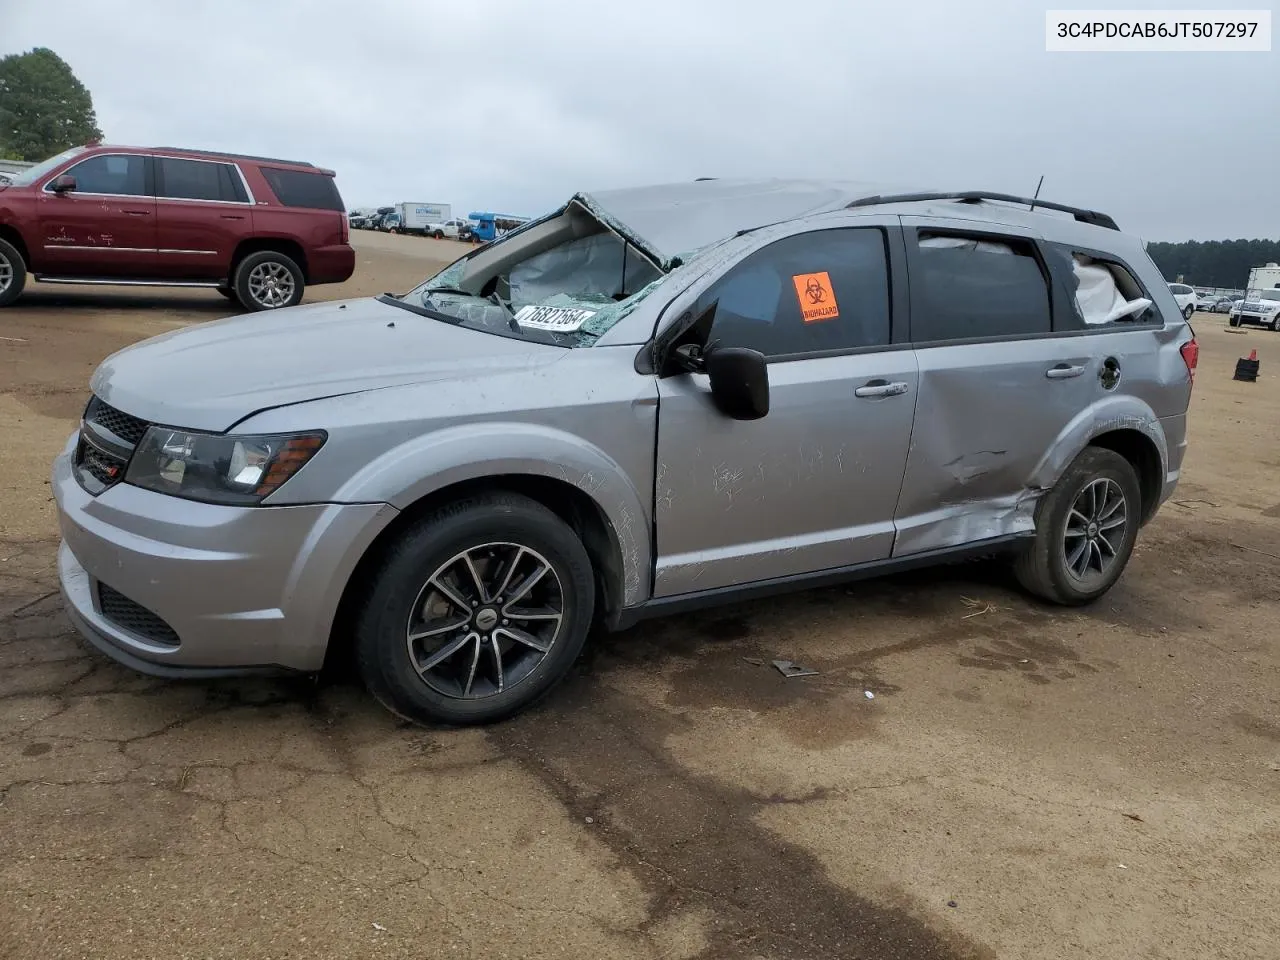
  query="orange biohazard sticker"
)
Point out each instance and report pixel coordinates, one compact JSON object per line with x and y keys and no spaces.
{"x":817,"y":297}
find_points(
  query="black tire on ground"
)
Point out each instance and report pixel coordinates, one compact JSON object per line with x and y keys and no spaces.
{"x":1188,"y":311}
{"x":1043,"y":568}
{"x":254,"y":274}
{"x":399,"y":592}
{"x":1233,"y":321}
{"x":13,"y":274}
{"x":1275,"y":324}
{"x":439,"y":234}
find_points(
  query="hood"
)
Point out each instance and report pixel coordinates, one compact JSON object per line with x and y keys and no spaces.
{"x":209,"y":377}
{"x":674,"y":220}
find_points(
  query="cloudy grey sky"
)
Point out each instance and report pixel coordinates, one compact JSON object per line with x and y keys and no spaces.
{"x":512,"y":105}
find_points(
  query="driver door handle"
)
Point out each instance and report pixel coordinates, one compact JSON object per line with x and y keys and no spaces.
{"x":880,"y":388}
{"x":1064,"y":370}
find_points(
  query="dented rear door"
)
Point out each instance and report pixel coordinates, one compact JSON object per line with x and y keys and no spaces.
{"x":996,"y":388}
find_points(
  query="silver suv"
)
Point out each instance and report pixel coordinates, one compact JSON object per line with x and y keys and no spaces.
{"x":648,"y":401}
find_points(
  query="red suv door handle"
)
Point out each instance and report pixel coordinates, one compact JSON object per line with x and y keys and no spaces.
{"x":232,"y":216}
{"x":138,"y":213}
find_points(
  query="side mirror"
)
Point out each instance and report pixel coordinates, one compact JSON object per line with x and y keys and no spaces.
{"x":62,"y":183}
{"x":739,"y":382}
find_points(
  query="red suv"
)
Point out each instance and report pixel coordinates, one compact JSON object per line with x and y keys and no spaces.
{"x":255,"y":229}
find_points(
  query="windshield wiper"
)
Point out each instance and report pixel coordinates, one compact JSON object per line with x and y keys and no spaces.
{"x":395,"y":301}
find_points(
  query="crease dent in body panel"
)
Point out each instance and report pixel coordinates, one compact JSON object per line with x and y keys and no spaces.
{"x":971,"y":466}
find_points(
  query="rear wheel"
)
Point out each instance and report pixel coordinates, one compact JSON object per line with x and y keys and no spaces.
{"x":478,"y":610}
{"x":13,"y":273}
{"x":1188,"y":311}
{"x":267,"y":280}
{"x":1085,"y":530}
{"x":1233,"y":321}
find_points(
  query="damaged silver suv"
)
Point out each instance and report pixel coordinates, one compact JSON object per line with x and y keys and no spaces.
{"x":647,"y":401}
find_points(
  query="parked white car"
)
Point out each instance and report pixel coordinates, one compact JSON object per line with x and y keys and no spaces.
{"x":1188,"y":299}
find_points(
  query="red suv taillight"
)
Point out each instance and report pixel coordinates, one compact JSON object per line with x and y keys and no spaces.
{"x":1191,"y":356}
{"x":346,"y":228}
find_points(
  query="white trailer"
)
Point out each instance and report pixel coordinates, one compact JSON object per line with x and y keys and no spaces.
{"x":1264,"y":278}
{"x":418,"y":217}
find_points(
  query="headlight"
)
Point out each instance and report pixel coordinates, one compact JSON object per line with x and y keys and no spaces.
{"x":239,"y":470}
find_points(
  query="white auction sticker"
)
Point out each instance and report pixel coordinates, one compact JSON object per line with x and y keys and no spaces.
{"x":1158,"y":31}
{"x":559,"y":319}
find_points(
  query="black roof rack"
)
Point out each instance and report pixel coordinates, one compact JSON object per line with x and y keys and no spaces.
{"x":236,"y":156}
{"x":977,"y":196}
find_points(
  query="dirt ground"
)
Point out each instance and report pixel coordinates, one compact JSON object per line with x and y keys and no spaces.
{"x":1024,"y":782}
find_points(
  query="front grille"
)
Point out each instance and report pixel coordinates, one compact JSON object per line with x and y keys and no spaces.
{"x":107,"y":440}
{"x":103,"y":468}
{"x":127,"y":428}
{"x":134,"y":617}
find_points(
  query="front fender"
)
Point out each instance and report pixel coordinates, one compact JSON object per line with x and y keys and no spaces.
{"x":475,"y":451}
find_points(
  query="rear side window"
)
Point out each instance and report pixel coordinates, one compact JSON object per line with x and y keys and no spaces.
{"x":1104,"y":292}
{"x":971,"y":286}
{"x":298,"y":188}
{"x":824,"y":290}
{"x":199,"y":180}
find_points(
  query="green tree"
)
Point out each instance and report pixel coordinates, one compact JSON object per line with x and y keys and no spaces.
{"x":44,"y":109}
{"x":1214,"y":263}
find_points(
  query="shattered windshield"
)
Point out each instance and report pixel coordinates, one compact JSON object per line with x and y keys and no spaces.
{"x":568,"y":295}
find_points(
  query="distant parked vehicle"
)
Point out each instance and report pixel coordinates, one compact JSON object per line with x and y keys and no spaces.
{"x":422,"y":218}
{"x":1217,"y":304}
{"x":1260,"y":310}
{"x":255,"y":229}
{"x":451,"y":229}
{"x":1187,"y":298}
{"x":487,"y":227}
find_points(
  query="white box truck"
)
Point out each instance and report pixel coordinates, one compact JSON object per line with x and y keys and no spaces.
{"x":417,"y":217}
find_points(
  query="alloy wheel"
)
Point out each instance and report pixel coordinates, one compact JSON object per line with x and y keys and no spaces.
{"x":271,"y":284}
{"x":6,"y":273}
{"x":484,"y":620}
{"x":1096,"y":526}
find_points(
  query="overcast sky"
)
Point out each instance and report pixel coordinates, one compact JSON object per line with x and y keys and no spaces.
{"x":513,"y":105}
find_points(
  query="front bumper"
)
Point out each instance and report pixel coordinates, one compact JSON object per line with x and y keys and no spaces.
{"x":240,"y":589}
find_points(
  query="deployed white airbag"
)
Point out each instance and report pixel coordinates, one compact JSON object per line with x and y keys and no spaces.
{"x":1099,"y":298}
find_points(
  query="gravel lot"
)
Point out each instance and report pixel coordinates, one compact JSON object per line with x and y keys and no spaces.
{"x":1026,"y":782}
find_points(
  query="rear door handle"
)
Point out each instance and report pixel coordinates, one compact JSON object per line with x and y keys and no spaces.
{"x":232,"y":216}
{"x":881,"y":388}
{"x":1064,"y":370}
{"x":138,"y":213}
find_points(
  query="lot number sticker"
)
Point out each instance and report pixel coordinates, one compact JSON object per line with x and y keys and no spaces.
{"x":817,"y":297}
{"x":558,"y":319}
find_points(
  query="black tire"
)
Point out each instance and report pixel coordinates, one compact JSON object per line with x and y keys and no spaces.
{"x":1233,"y":321}
{"x":243,"y":282}
{"x":439,"y":235}
{"x":1188,"y":312}
{"x":13,"y":273}
{"x":399,"y":590}
{"x":1043,"y":568}
{"x":1275,"y":325}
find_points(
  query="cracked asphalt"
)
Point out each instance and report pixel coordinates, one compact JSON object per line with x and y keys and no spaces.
{"x":1023,"y":781}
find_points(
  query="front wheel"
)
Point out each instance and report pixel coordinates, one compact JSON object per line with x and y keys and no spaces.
{"x":1188,"y":312}
{"x":475,"y":612}
{"x":1085,"y":530}
{"x":13,"y":274}
{"x":267,"y":280}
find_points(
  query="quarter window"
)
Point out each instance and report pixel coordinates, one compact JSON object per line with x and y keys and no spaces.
{"x":967,"y":287}
{"x":199,"y":180}
{"x":297,"y":188}
{"x":823,"y":290}
{"x":112,"y":173}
